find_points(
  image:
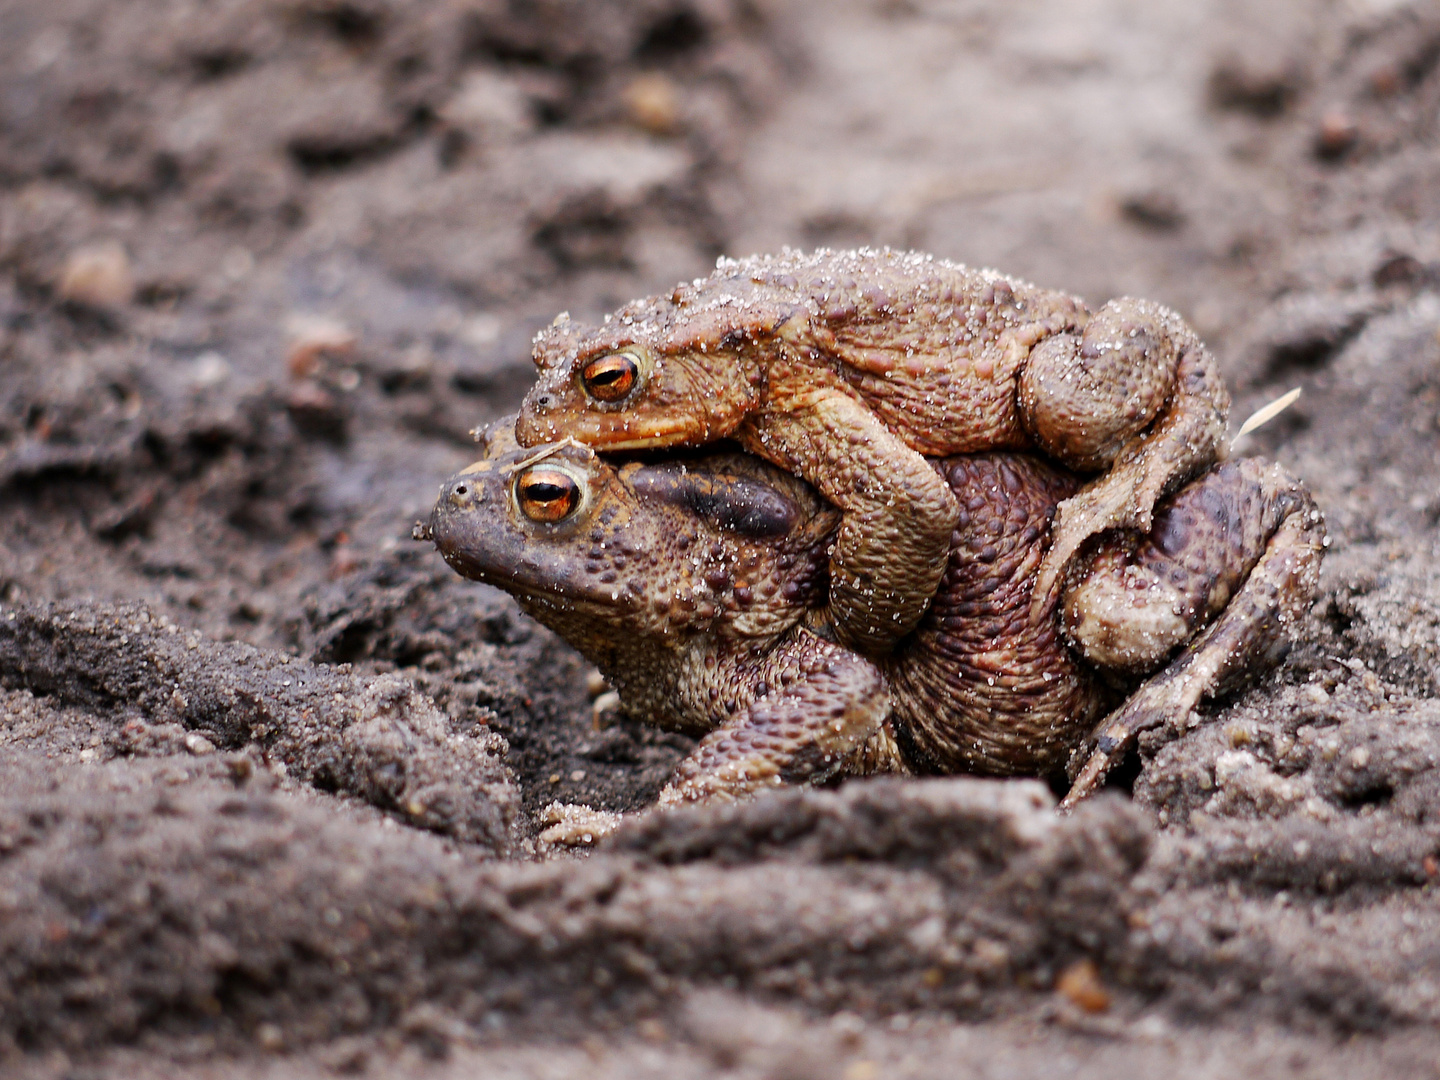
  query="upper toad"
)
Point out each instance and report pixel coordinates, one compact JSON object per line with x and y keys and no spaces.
{"x":845,"y":367}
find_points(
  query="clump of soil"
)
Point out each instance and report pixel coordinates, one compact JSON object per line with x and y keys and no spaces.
{"x":271,"y":775}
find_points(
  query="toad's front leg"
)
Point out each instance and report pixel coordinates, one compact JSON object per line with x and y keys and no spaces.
{"x":1136,"y":394}
{"x":820,"y":703}
{"x":894,"y":538}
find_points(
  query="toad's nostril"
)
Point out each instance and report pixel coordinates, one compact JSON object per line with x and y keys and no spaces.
{"x":464,"y":495}
{"x":543,"y":401}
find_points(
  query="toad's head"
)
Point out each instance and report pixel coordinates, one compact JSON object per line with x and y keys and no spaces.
{"x":657,"y":550}
{"x":664,"y":371}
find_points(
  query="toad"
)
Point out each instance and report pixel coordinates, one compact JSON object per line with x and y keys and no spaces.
{"x":698,"y":585}
{"x":849,"y":367}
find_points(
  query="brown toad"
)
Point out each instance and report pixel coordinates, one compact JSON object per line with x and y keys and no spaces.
{"x":845,"y":367}
{"x":698,"y":586}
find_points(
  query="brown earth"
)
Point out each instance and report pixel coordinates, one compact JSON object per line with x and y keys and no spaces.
{"x":270,"y":773}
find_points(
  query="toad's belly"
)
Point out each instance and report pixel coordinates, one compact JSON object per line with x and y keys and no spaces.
{"x":978,"y":687}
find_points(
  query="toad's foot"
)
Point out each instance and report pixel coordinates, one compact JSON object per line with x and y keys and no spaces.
{"x":1138,"y":395}
{"x":830,"y":703}
{"x":1132,"y":608}
{"x":572,"y":825}
{"x":1111,"y":502}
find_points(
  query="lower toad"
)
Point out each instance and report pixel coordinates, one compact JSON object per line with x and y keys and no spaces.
{"x":699,"y":587}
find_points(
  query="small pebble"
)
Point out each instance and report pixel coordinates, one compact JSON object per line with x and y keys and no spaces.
{"x":343,"y":560}
{"x":1338,"y":133}
{"x":314,"y":338}
{"x":270,"y":1037}
{"x":209,"y":369}
{"x":98,"y":276}
{"x":241,"y":768}
{"x":653,"y":103}
{"x":605,"y":710}
{"x":1386,"y":81}
{"x":1080,"y":984}
{"x":595,"y":683}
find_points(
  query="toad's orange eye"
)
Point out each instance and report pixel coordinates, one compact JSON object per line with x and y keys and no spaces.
{"x":547,"y":495}
{"x":610,"y":378}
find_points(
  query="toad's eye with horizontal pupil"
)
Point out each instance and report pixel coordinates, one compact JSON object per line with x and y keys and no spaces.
{"x":547,"y":495}
{"x":610,"y":378}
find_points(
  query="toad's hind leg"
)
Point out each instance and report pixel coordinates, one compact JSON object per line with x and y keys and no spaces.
{"x":1137,"y":395}
{"x":826,"y":703}
{"x":1245,"y":525}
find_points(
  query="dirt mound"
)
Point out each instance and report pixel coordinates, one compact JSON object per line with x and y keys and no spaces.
{"x":184,"y":899}
{"x":164,"y":690}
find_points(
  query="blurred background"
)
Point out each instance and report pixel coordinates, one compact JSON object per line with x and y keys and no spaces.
{"x":264,"y":264}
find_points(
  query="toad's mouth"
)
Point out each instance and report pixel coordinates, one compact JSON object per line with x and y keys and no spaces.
{"x":613,"y":432}
{"x":531,"y":579}
{"x":524,"y":568}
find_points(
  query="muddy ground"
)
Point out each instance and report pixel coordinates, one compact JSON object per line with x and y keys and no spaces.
{"x":270,"y":773}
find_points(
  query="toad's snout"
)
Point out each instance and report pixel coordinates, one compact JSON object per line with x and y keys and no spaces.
{"x":453,"y":521}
